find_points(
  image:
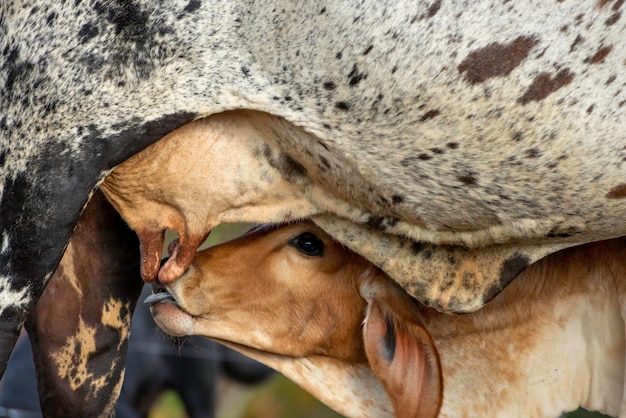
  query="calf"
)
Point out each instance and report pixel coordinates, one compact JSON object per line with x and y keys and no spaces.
{"x":298,"y":301}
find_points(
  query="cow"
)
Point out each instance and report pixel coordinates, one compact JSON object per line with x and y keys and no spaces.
{"x":474,"y":138}
{"x":292,"y":297}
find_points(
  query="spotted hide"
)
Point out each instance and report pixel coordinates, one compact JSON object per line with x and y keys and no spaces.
{"x":466,"y":124}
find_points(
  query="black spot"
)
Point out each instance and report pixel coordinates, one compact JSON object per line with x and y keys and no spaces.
{"x":532,"y":153}
{"x":417,"y":247}
{"x":468,"y":179}
{"x":192,"y":6}
{"x":375,"y":222}
{"x":517,"y":136}
{"x":288,"y":167}
{"x":338,"y":55}
{"x":513,"y":266}
{"x":15,"y":69}
{"x":329,"y":85}
{"x":429,"y":115}
{"x":424,"y":157}
{"x":127,"y":18}
{"x":388,"y":341}
{"x":368,"y":49}
{"x":437,"y":150}
{"x":433,"y":9}
{"x":93,"y":62}
{"x":324,"y":161}
{"x":50,"y":19}
{"x":87,"y":32}
{"x":452,"y":145}
{"x":355,"y":76}
{"x":245,"y":71}
{"x":555,"y":233}
{"x":345,"y":106}
{"x":468,"y":280}
{"x":136,"y":40}
{"x":323,"y":10}
{"x":2,"y":158}
{"x":396,"y":198}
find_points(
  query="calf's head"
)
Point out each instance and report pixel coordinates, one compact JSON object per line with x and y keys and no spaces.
{"x":298,"y":301}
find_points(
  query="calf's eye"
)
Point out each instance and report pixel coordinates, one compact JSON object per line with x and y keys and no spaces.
{"x":309,"y":244}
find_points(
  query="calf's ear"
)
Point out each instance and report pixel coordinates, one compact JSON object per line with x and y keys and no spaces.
{"x":403,"y":357}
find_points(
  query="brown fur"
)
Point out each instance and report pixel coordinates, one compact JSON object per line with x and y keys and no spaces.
{"x":264,"y":297}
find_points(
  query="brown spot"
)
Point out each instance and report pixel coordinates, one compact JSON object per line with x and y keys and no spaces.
{"x":544,"y":85}
{"x":613,"y":19}
{"x":617,"y":192}
{"x":496,"y":59}
{"x":611,"y":79}
{"x":599,"y":56}
{"x":602,"y":3}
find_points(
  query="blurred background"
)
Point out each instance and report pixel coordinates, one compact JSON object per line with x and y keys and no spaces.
{"x":224,"y":384}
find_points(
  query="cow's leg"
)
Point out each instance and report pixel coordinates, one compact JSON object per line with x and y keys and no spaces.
{"x":80,"y":326}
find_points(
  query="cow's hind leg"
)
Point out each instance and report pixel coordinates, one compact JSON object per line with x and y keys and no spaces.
{"x":80,"y":326}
